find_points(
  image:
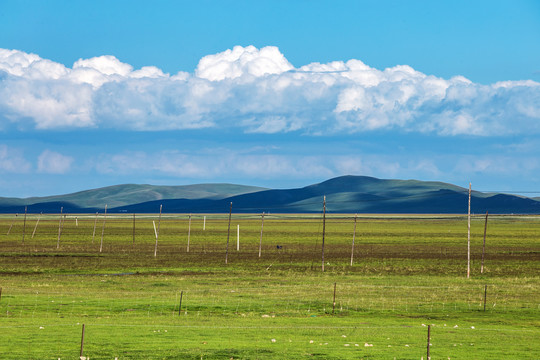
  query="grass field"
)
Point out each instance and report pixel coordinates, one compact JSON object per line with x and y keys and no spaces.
{"x":408,"y":272}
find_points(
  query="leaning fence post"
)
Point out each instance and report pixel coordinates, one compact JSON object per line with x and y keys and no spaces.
{"x":9,"y":230}
{"x":35,"y":227}
{"x":82,"y":341}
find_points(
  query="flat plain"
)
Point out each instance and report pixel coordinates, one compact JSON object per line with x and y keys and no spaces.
{"x":408,"y":273}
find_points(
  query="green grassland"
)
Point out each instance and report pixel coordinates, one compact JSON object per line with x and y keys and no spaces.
{"x":408,"y":272}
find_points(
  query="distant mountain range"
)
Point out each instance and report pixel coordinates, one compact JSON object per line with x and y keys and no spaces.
{"x":345,"y":194}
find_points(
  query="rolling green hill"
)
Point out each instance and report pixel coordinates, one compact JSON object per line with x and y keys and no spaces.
{"x":129,"y":194}
{"x":345,"y":194}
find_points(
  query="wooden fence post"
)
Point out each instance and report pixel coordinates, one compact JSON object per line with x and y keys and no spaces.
{"x":188,"y":233}
{"x":469,"y":236}
{"x":94,"y":233}
{"x":323,"y":229}
{"x":260,"y":241}
{"x":82,"y":341}
{"x":59,"y":227}
{"x":9,"y":230}
{"x":353,"y":236}
{"x":228,"y":234}
{"x":484,"y":246}
{"x":103,"y":229}
{"x":133,"y":243}
{"x":157,"y":231}
{"x":334,"y":301}
{"x":37,"y":222}
{"x":180,"y":307}
{"x":24,"y":224}
{"x":428,"y":340}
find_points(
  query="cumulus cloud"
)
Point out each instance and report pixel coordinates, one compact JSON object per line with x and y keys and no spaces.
{"x":258,"y":91}
{"x":51,"y":162}
{"x":12,"y":160}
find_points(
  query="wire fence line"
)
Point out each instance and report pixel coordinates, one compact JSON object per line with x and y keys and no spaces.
{"x":105,"y":340}
{"x":450,"y":327}
{"x":277,"y":300}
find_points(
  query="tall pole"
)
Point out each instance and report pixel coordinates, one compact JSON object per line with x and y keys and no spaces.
{"x":94,"y":233}
{"x":323,"y":229}
{"x":24,"y":224}
{"x":82,"y":342}
{"x":59,"y":227}
{"x":228,"y":234}
{"x":260,"y":241}
{"x":469,"y":236}
{"x":157,"y":232}
{"x":188,"y":232}
{"x":428,"y":357}
{"x":353,"y":236}
{"x":133,"y":229}
{"x":484,"y":246}
{"x":103,"y":229}
{"x":159,"y":219}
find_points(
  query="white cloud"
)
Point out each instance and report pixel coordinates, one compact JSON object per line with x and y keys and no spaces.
{"x":258,"y":90}
{"x":51,"y":162}
{"x":241,"y":61}
{"x":13,"y":161}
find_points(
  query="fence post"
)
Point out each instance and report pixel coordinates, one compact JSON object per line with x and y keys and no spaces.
{"x":9,"y":230}
{"x":353,"y":236}
{"x":35,"y":227}
{"x":189,"y":233}
{"x":485,"y":296}
{"x":24,"y":224}
{"x":428,"y":340}
{"x":59,"y":227}
{"x":262,"y":226}
{"x":180,"y":307}
{"x":323,"y":230}
{"x":103,"y":229}
{"x":82,"y":341}
{"x":469,"y":236}
{"x":133,"y":229}
{"x":334,"y":302}
{"x":228,"y":234}
{"x":484,"y":246}
{"x":94,"y":233}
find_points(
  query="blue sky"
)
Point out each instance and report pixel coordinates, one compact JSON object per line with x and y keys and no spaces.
{"x":269,"y":93}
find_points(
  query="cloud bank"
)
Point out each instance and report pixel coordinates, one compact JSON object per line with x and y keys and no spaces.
{"x":258,"y":91}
